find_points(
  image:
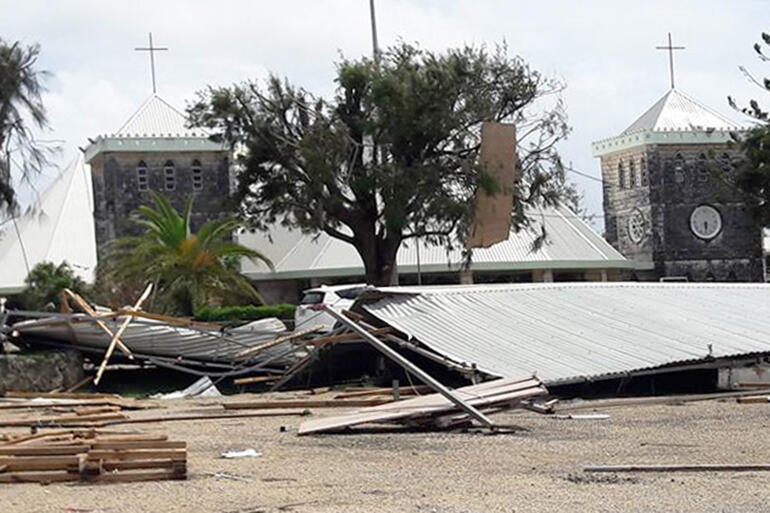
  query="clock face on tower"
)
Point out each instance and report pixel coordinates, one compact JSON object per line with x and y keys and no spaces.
{"x":705,"y":222}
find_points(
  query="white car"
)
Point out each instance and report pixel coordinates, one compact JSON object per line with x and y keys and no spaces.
{"x":310,"y":313}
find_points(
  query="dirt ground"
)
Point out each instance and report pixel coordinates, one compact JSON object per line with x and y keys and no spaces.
{"x":395,"y":470}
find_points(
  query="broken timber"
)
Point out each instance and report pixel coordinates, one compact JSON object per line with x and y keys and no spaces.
{"x":410,"y":367}
{"x":434,"y":408}
{"x":679,"y":468}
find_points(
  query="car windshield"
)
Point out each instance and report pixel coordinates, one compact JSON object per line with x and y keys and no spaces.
{"x":351,"y":293}
{"x":312,"y":298}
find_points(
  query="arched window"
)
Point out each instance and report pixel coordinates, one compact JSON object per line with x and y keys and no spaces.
{"x":621,"y":176}
{"x":725,"y":163}
{"x":197,"y":175}
{"x":643,"y":172}
{"x":169,"y":176}
{"x":142,"y":178}
{"x":703,"y":172}
{"x":632,"y":174}
{"x":679,"y":168}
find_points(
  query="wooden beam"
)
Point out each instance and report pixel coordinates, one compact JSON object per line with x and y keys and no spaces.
{"x":255,"y":379}
{"x":280,"y":340}
{"x":306,"y":403}
{"x":172,"y":418}
{"x":83,"y":304}
{"x":754,"y":399}
{"x":119,"y":333}
{"x":708,"y":467}
{"x":138,"y":454}
{"x":418,"y":390}
{"x":346,"y":337}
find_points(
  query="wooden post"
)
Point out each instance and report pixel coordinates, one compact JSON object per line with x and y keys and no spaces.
{"x":118,"y":333}
{"x":90,"y":311}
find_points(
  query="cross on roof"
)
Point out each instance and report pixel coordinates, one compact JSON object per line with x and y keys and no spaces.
{"x":670,"y":49}
{"x":152,"y":50}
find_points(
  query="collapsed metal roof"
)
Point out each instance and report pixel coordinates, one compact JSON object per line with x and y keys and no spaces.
{"x":575,"y":331}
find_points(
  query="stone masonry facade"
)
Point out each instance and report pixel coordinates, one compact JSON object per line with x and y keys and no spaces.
{"x":649,"y":194}
{"x":122,"y":181}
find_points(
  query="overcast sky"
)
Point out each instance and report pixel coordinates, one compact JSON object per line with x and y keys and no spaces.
{"x":604,"y":50}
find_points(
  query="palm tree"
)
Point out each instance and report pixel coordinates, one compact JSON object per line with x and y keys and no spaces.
{"x":188,"y":269}
{"x":20,"y":100}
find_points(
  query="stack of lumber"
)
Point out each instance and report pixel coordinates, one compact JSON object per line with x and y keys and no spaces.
{"x":41,"y":409}
{"x":435,"y":410}
{"x":91,"y":456}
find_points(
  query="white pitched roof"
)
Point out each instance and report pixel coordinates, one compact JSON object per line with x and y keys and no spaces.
{"x":678,"y":111}
{"x":157,"y":118}
{"x":59,"y":227}
{"x":571,"y":245}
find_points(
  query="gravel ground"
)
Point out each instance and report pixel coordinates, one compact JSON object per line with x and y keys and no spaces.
{"x":395,"y":470}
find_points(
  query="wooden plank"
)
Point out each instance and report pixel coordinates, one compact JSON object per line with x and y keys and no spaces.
{"x":506,"y":392}
{"x":172,"y":418}
{"x":347,"y":337}
{"x":132,"y":477}
{"x":306,"y":403}
{"x":280,"y":340}
{"x":63,"y":420}
{"x":24,"y":394}
{"x":39,"y":477}
{"x":83,"y":304}
{"x":36,"y":436}
{"x":83,"y":382}
{"x":119,"y":333}
{"x":139,"y":444}
{"x":754,"y":399}
{"x":708,"y":467}
{"x":255,"y":379}
{"x":14,"y":464}
{"x":138,"y":464}
{"x":408,"y":390}
{"x":42,"y":450}
{"x":138,"y":454}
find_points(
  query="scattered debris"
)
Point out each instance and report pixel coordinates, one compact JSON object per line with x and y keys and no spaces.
{"x":233,"y":477}
{"x":601,"y":479}
{"x":572,"y":416}
{"x":245,"y":453}
{"x":321,"y":403}
{"x":204,"y":387}
{"x":434,"y":409}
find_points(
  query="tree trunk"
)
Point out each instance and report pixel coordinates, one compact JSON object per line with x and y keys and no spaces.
{"x":379,"y":257}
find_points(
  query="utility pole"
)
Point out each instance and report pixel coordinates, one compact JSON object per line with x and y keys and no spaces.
{"x":375,"y":46}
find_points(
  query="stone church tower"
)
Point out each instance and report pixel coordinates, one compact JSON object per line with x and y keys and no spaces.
{"x":663,"y":207}
{"x":155,"y":151}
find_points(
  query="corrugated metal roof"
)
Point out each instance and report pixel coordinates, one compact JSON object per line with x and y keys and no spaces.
{"x":157,"y":118}
{"x":571,"y":244}
{"x":571,"y":331}
{"x":678,"y":111}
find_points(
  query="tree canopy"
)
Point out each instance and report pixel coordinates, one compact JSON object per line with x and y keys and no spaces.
{"x":20,"y":103}
{"x":46,"y":281}
{"x":752,"y":173}
{"x":393,"y":154}
{"x":188,"y":269}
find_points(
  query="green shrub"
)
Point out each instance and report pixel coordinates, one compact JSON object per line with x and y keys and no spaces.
{"x":245,"y":312}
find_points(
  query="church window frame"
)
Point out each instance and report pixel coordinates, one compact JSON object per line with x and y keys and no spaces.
{"x":644,"y":178}
{"x":169,"y":176}
{"x":632,"y":183}
{"x":726,"y":163}
{"x":621,"y":176}
{"x":142,"y":177}
{"x":197,"y":175}
{"x":703,"y":173}
{"x":679,"y":168}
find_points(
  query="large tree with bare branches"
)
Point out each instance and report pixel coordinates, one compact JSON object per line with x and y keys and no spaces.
{"x":394,"y":154}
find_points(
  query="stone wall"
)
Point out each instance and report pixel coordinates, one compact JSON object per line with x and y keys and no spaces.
{"x":117,"y":192}
{"x":658,"y":186}
{"x":41,"y":371}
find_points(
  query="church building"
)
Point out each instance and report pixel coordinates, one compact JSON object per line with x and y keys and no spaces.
{"x":666,"y":206}
{"x":155,"y":151}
